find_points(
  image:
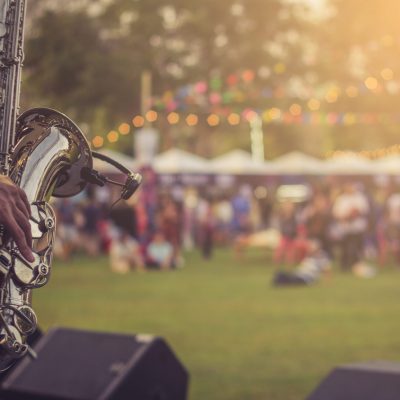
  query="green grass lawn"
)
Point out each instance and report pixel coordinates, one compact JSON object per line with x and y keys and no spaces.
{"x":240,"y":338}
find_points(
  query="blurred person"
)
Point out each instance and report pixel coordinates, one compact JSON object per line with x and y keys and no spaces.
{"x":241,"y":204}
{"x":312,"y":268}
{"x":350,"y":210}
{"x":266,"y":208}
{"x":160,"y":252}
{"x":317,"y":219}
{"x":123,"y":216}
{"x":149,"y":197}
{"x":67,"y":231}
{"x":391,"y":229}
{"x":255,"y":221}
{"x":125,"y":254}
{"x":223,"y":220}
{"x":103,"y":195}
{"x":92,"y":213}
{"x":142,"y":222}
{"x":190,"y":202}
{"x":206,"y":225}
{"x":171,"y":226}
{"x":288,"y":228}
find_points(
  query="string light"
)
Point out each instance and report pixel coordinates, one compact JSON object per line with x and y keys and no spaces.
{"x":138,"y":121}
{"x":314,"y":104}
{"x":295,"y":109}
{"x":368,"y":154}
{"x":192,"y":119}
{"x":213,"y":120}
{"x":233,"y":119}
{"x":275,"y":113}
{"x":266,"y":117}
{"x":97,"y":141}
{"x":332,"y":95}
{"x":124,"y":128}
{"x":113,"y":136}
{"x":173,"y":118}
{"x":151,"y":116}
{"x":371,"y":83}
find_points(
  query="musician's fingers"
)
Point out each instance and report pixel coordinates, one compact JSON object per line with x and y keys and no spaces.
{"x":20,"y":205}
{"x":24,"y":224}
{"x":18,"y":235}
{"x":25,"y":201}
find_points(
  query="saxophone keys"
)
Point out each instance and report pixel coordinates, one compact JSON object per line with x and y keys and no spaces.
{"x":30,"y":275}
{"x":25,"y":320}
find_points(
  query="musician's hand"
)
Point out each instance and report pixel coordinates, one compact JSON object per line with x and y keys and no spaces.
{"x":14,"y":215}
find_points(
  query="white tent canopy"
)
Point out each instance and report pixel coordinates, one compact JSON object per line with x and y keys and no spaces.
{"x":389,"y":165}
{"x":348,"y":165}
{"x":298,"y":163}
{"x":177,"y":161}
{"x":240,"y":162}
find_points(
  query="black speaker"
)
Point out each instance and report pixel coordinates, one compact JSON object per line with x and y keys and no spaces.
{"x":376,"y":380}
{"x":83,"y":365}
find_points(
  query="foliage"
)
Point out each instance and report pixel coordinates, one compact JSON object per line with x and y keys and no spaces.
{"x":86,"y":58}
{"x":99,"y":65}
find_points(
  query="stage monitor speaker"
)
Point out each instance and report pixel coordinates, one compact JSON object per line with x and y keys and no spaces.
{"x":83,"y":365}
{"x":377,"y":380}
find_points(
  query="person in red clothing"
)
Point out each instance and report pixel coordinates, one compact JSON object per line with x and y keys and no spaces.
{"x":171,"y":225}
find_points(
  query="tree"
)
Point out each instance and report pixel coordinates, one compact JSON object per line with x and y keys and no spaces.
{"x":69,"y":67}
{"x":96,"y":78}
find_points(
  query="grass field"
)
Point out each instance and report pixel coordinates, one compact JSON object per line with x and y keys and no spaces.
{"x":240,"y":338}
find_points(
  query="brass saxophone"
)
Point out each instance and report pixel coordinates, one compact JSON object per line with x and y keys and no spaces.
{"x":45,"y":154}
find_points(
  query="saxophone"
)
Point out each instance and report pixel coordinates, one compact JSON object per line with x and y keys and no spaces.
{"x":45,"y":154}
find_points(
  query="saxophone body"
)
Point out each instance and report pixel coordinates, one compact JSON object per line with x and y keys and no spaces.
{"x":47,"y":159}
{"x":45,"y":154}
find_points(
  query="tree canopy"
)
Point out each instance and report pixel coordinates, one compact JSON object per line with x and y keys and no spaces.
{"x":87,"y":58}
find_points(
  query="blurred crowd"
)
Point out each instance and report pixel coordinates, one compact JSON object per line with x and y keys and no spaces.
{"x":349,"y":221}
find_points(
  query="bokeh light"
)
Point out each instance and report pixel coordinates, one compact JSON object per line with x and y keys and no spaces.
{"x":97,"y":141}
{"x":138,"y":121}
{"x":151,"y":116}
{"x":314,"y":104}
{"x":173,"y":118}
{"x":332,"y":95}
{"x":275,"y":113}
{"x":113,"y":136}
{"x":371,"y":83}
{"x":233,"y":119}
{"x":192,"y":119}
{"x":295,"y":109}
{"x":213,"y":120}
{"x":124,"y":128}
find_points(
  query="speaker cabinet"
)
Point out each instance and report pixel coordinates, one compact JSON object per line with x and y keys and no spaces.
{"x":83,"y":365}
{"x":378,"y":380}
